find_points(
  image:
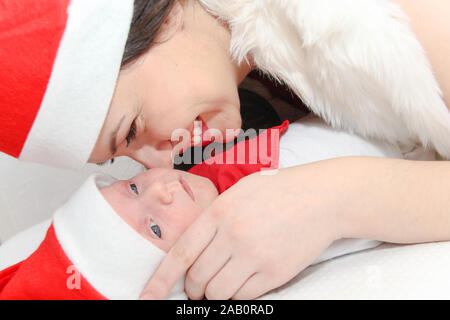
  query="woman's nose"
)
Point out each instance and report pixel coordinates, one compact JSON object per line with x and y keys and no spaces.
{"x":152,"y":157}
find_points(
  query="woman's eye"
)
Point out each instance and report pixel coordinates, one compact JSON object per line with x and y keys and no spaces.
{"x":101,"y":164}
{"x":156,"y":230}
{"x":132,"y":133}
{"x":134,"y":188}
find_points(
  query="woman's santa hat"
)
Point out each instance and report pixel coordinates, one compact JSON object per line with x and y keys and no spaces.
{"x":59,"y":63}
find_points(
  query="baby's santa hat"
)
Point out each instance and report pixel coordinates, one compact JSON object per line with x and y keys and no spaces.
{"x":114,"y":258}
{"x":59,"y":63}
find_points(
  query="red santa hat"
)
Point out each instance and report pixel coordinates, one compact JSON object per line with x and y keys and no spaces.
{"x":59,"y":63}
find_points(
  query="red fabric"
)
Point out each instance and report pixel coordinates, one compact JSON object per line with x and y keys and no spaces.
{"x":46,"y":275}
{"x":30,"y":34}
{"x":225,"y":175}
{"x":7,"y":274}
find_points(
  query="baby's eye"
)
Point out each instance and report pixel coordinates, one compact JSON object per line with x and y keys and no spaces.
{"x":156,"y":230}
{"x":134,"y":188}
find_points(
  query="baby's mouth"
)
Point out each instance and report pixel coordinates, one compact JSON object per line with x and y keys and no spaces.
{"x":187,"y":188}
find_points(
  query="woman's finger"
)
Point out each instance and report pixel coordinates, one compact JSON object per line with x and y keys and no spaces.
{"x":229,"y":280}
{"x":210,"y":262}
{"x":255,"y":287}
{"x":180,"y":258}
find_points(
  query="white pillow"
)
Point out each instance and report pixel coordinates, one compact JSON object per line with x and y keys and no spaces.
{"x":30,"y":193}
{"x":22,"y":245}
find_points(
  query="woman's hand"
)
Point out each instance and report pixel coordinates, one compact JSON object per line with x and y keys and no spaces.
{"x":266,"y":229}
{"x":256,"y":236}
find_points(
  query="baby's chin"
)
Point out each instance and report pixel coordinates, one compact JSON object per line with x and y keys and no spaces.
{"x":204,"y":190}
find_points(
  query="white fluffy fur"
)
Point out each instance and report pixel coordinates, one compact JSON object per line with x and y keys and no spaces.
{"x":355,"y":63}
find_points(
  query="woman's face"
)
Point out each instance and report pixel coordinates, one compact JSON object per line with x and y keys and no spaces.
{"x":161,"y":203}
{"x":188,"y":76}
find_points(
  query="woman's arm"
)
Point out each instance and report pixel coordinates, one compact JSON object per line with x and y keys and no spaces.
{"x":397,"y":201}
{"x":266,"y":229}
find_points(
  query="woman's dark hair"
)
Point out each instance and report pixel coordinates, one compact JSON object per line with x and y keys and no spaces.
{"x":148,"y":17}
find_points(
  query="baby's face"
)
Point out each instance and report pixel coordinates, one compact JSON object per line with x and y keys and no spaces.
{"x":161,"y":203}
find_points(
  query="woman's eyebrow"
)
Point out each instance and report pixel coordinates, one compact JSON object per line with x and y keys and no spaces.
{"x":113,"y":140}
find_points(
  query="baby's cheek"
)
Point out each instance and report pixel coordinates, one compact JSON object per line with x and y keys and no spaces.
{"x":165,"y":243}
{"x":185,"y":220}
{"x":178,"y":224}
{"x":175,"y":232}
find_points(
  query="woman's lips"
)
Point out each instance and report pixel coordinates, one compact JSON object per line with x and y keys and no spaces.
{"x":199,"y":136}
{"x":187,"y":188}
{"x":206,"y":139}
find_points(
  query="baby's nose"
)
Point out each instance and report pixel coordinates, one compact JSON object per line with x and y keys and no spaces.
{"x":162,"y":192}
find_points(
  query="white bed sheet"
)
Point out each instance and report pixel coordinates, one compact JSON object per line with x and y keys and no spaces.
{"x":22,"y":245}
{"x":386,"y":272}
